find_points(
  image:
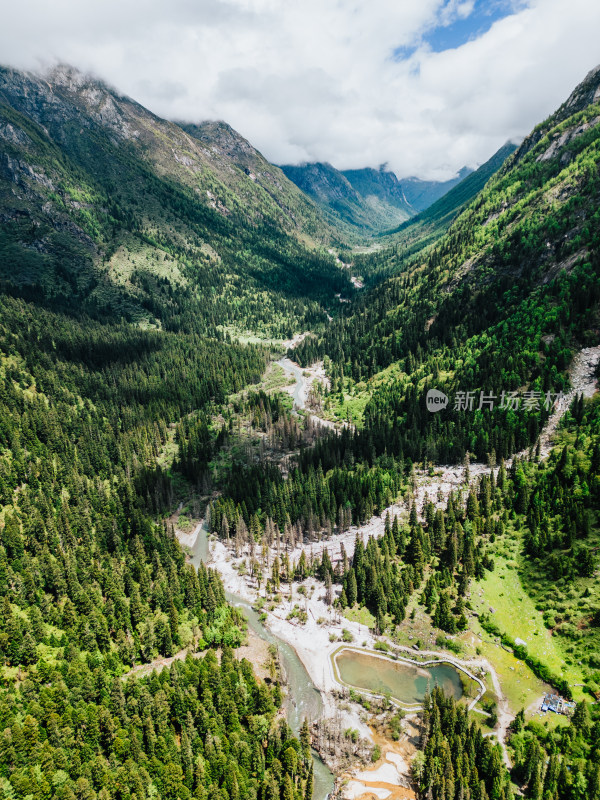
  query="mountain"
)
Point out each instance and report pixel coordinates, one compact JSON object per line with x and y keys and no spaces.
{"x":102,"y":203}
{"x":374,"y":201}
{"x":130,"y":251}
{"x":426,"y":227}
{"x":381,"y":189}
{"x":499,"y":320}
{"x":497,"y":303}
{"x":421,"y":194}
{"x":367,"y":201}
{"x":379,"y":183}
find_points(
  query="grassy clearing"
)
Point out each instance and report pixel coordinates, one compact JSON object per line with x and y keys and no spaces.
{"x":567,"y":605}
{"x":136,"y":255}
{"x":416,"y":628}
{"x":248,"y":337}
{"x":520,"y":616}
{"x":169,"y":451}
{"x":515,"y":613}
{"x":517,"y":681}
{"x":350,"y":408}
{"x":275,"y":378}
{"x":351,"y":403}
{"x":361,"y":615}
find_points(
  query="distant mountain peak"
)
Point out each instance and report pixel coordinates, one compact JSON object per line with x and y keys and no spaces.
{"x":368,"y":199}
{"x":422,"y":193}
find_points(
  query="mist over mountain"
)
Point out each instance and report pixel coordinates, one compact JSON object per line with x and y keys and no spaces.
{"x":98,"y":194}
{"x":223,"y":483}
{"x":421,"y":194}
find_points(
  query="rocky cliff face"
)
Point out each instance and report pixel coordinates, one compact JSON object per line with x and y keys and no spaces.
{"x":585,"y":95}
{"x":380,"y":184}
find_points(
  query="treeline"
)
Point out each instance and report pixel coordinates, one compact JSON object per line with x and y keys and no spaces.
{"x":327,"y":484}
{"x":448,"y":547}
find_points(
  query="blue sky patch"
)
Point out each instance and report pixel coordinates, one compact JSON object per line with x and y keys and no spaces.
{"x":460,"y":30}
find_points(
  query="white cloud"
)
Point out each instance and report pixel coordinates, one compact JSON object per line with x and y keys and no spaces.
{"x":317,"y":80}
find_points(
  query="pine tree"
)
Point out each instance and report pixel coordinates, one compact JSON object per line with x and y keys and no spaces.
{"x":28,"y":650}
{"x":309,"y":788}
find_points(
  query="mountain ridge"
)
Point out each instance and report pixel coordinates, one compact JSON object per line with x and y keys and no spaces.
{"x":97,"y":191}
{"x":343,"y":202}
{"x":423,"y":193}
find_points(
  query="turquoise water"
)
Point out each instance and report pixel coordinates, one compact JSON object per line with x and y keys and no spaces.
{"x":403,"y":682}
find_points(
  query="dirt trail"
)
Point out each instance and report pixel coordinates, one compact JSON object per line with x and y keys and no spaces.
{"x":504,"y":717}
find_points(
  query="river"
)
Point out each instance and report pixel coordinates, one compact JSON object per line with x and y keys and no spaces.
{"x":302,"y":699}
{"x":300,"y":391}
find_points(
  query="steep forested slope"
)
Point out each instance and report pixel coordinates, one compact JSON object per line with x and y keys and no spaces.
{"x":127,"y":245}
{"x":413,"y":236}
{"x":498,"y":307}
{"x":497,"y":304}
{"x":104,"y":206}
{"x":91,"y":584}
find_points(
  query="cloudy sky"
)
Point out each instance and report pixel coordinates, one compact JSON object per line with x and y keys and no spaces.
{"x":426,"y":86}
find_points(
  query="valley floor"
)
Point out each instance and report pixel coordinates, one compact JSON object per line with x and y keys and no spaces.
{"x":300,"y":615}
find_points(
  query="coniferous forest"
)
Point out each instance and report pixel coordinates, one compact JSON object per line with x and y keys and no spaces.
{"x":147,"y":285}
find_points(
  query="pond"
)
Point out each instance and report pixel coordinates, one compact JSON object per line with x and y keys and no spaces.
{"x":404,"y":682}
